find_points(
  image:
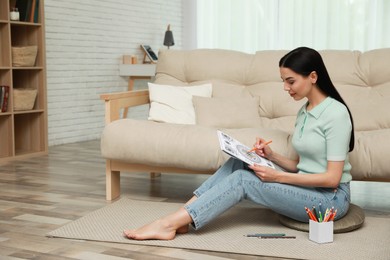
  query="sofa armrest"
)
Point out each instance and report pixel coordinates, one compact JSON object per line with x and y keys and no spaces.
{"x":114,"y":102}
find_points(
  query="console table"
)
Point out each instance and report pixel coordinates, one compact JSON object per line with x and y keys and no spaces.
{"x":137,"y":71}
{"x":134,"y":72}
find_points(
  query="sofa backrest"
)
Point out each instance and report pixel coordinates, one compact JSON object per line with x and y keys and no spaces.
{"x":363,"y":80}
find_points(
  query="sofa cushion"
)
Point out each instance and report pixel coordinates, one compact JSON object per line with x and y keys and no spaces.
{"x":203,"y":65}
{"x":173,"y":104}
{"x":369,"y":158}
{"x":192,"y":147}
{"x":162,"y":144}
{"x":227,"y":112}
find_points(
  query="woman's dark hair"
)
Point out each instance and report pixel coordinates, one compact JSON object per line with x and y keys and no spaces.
{"x":304,"y":61}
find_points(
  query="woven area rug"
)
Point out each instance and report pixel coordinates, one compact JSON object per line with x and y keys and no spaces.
{"x":227,"y":233}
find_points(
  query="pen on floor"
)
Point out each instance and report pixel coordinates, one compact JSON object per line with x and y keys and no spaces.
{"x":276,"y":237}
{"x":254,"y":148}
{"x":266,"y":235}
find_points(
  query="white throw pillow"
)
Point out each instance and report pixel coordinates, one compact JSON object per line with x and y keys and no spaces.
{"x":173,"y":104}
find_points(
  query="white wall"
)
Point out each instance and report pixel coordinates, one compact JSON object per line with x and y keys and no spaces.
{"x":85,"y":41}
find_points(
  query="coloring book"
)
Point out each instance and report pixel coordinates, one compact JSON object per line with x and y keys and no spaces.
{"x":238,"y":150}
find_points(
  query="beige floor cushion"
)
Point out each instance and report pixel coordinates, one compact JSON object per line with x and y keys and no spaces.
{"x":353,"y":220}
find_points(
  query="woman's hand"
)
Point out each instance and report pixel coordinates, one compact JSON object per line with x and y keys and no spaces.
{"x":266,"y":174}
{"x":262,"y":148}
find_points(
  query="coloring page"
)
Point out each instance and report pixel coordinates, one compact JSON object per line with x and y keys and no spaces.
{"x":240,"y":151}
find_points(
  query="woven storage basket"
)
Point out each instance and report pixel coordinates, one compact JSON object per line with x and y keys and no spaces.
{"x":24,"y":56}
{"x":24,"y":98}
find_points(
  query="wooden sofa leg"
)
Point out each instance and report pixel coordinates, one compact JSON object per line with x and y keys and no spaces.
{"x":113,"y":185}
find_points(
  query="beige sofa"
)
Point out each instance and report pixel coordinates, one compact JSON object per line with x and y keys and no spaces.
{"x":248,"y":101}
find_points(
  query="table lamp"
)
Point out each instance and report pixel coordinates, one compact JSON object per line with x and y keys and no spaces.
{"x":168,"y":39}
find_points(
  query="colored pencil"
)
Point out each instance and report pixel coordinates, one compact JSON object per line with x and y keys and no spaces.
{"x":254,"y":148}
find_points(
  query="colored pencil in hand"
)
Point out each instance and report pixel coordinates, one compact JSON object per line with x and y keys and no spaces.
{"x":255,"y":148}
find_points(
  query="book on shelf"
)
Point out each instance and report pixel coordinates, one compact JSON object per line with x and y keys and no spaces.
{"x":36,"y":13}
{"x":4,"y":95}
{"x":32,"y":11}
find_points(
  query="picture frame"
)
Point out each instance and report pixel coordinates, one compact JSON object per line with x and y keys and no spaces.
{"x":148,"y":52}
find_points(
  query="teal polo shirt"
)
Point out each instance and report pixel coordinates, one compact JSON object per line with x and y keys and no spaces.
{"x":321,"y":135}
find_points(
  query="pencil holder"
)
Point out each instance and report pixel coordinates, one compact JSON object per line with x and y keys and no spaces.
{"x":321,"y":232}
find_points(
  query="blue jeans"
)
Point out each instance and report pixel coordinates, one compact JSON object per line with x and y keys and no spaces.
{"x":234,"y":182}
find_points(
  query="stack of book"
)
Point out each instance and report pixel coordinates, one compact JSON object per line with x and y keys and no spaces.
{"x":28,"y":10}
{"x":4,"y":95}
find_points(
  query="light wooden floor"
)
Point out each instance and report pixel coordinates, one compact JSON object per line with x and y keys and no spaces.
{"x":40,"y":194}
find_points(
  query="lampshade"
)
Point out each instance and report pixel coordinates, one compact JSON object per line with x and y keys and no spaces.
{"x":168,"y":39}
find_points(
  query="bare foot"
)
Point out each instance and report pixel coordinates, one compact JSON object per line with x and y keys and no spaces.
{"x":164,"y":228}
{"x":158,"y":229}
{"x":182,"y":230}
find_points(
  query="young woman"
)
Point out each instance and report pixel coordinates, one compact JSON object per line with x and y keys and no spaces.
{"x":323,"y":137}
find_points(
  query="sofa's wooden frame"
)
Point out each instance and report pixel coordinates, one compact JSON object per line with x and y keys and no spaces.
{"x":114,"y":104}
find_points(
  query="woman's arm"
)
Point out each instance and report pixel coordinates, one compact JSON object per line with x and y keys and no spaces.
{"x":288,"y":164}
{"x":329,"y":179}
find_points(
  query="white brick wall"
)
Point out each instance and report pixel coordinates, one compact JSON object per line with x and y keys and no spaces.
{"x":85,"y":41}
